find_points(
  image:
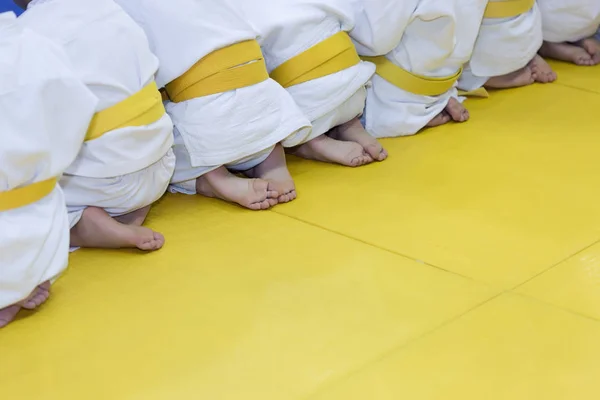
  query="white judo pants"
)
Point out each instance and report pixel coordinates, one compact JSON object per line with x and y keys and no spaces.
{"x":184,"y":178}
{"x":118,"y":195}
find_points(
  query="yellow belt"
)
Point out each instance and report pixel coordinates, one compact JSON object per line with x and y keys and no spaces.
{"x":332,"y":55}
{"x":26,"y":195}
{"x":229,"y":68}
{"x":508,"y":8}
{"x":417,"y":84}
{"x":142,"y":108}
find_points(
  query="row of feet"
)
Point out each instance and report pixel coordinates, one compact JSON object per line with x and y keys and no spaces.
{"x":270,"y":182}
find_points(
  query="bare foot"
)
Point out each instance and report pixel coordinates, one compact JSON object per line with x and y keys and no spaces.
{"x":541,"y":71}
{"x":522,"y":77}
{"x":98,"y":229}
{"x":7,"y":314}
{"x":457,"y":111}
{"x":255,"y":194}
{"x":326,"y":149}
{"x":440,"y":119}
{"x":136,"y":217}
{"x":274,"y":170}
{"x":592,"y":46}
{"x":353,"y":131}
{"x":39,"y":295}
{"x":566,"y":52}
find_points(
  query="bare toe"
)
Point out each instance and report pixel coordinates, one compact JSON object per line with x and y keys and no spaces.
{"x":149,"y":240}
{"x":440,"y":119}
{"x":465,"y":115}
{"x":286,"y":198}
{"x":362,"y":160}
{"x":456,"y":110}
{"x":254,"y":194}
{"x":575,"y":54}
{"x":353,"y":131}
{"x":260,"y":195}
{"x":274,"y":171}
{"x":592,"y":47}
{"x":8,"y":314}
{"x":376,"y":151}
{"x":327,"y":149}
{"x":541,"y":70}
{"x":39,"y":295}
{"x":35,"y":301}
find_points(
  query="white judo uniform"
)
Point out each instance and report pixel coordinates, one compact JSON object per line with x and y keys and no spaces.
{"x":44,"y":114}
{"x":435,"y":39}
{"x":289,"y":28}
{"x":238,"y":128}
{"x":504,"y":45}
{"x":569,"y":20}
{"x":130,"y":167}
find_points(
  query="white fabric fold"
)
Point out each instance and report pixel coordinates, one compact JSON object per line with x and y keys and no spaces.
{"x":504,"y":45}
{"x":44,"y":114}
{"x":437,"y":39}
{"x":111,"y":55}
{"x":221,"y":128}
{"x":288,"y":28}
{"x":569,"y":20}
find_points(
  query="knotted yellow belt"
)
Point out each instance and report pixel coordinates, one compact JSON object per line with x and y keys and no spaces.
{"x":413,"y":83}
{"x":508,"y":8}
{"x":233,"y":67}
{"x":26,"y":195}
{"x":332,"y":55}
{"x":418,"y":84}
{"x":142,"y":108}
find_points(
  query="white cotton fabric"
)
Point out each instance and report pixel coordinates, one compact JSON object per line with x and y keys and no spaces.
{"x":119,"y":195}
{"x":504,"y":45}
{"x":437,"y":39}
{"x":44,"y":114}
{"x":186,"y":174}
{"x":222,"y":128}
{"x":111,"y":55}
{"x":288,"y":28}
{"x":569,"y":20}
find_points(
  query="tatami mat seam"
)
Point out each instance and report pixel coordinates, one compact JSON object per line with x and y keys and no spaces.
{"x":376,"y":246}
{"x":553,"y":266}
{"x":578,"y":88}
{"x":555,"y":306}
{"x":402,"y":346}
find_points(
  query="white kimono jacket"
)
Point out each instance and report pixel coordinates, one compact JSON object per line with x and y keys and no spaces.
{"x":436,"y":40}
{"x":504,"y":45}
{"x":219,"y":129}
{"x":127,"y":168}
{"x":44,"y":114}
{"x":569,"y":20}
{"x":290,"y":27}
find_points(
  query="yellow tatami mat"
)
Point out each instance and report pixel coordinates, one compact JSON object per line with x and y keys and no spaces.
{"x":587,"y":78}
{"x":467,"y":266}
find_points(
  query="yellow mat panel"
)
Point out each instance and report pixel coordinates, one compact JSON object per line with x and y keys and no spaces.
{"x":498,"y":199}
{"x":464,"y":267}
{"x":573,"y":284}
{"x":234,"y":295}
{"x":510,"y":348}
{"x":586,"y":78}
